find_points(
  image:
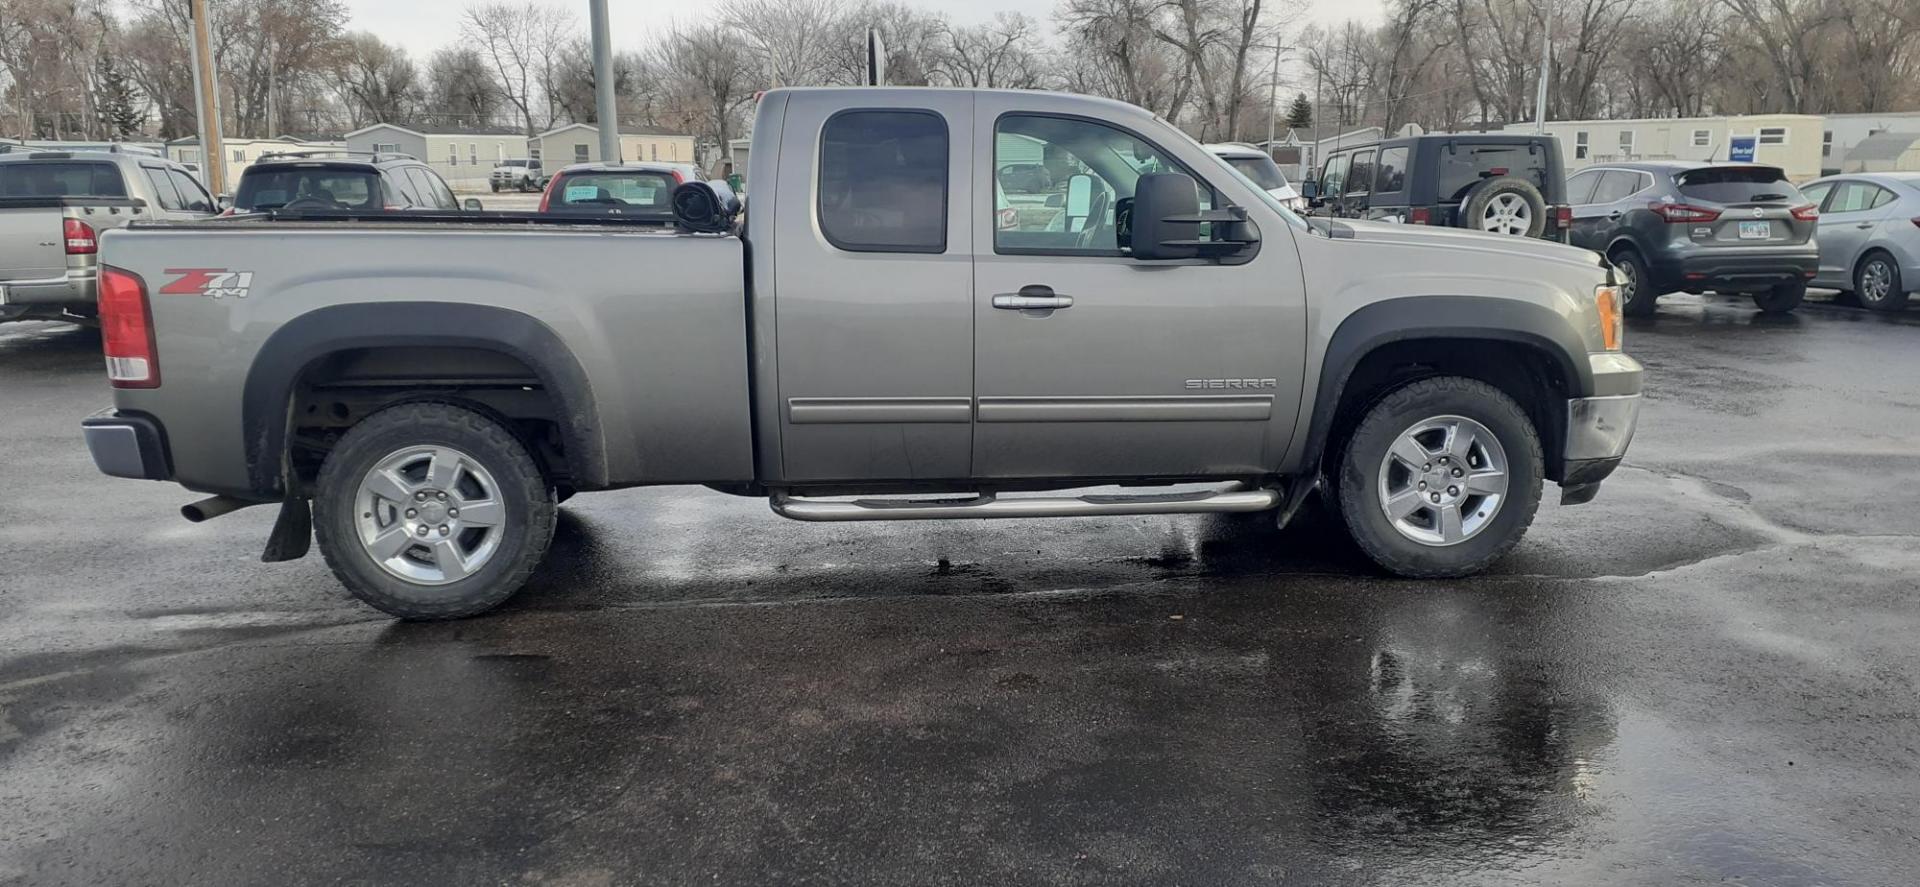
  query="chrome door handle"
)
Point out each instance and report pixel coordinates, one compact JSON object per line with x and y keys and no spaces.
{"x":1016,"y":302}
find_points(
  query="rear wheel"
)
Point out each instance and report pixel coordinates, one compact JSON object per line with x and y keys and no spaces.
{"x":1637,"y":294}
{"x":1441,"y":478}
{"x":1781,"y":299}
{"x":1877,"y":283}
{"x":432,"y":511}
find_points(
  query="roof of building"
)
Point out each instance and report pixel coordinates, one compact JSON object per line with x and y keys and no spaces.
{"x":1883,"y":146}
{"x":442,"y":129}
{"x":626,"y":129}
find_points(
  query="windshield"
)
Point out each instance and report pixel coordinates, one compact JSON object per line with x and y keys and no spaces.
{"x":1270,"y":200}
{"x":627,"y":193}
{"x":1260,"y":170}
{"x":310,"y":188}
{"x":39,"y":178}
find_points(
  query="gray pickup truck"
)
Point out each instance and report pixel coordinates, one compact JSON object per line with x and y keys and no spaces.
{"x":53,"y":207}
{"x":874,"y":342}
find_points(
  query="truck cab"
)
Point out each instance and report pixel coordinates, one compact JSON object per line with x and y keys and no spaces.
{"x":891,"y":333}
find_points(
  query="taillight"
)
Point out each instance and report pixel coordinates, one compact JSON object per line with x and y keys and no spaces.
{"x":1682,"y":212}
{"x":547,"y":194}
{"x":126,"y":331}
{"x":678,"y":179}
{"x":80,"y":241}
{"x":1808,"y":213}
{"x":1009,"y":218}
{"x":1563,"y":216}
{"x":1420,"y":215}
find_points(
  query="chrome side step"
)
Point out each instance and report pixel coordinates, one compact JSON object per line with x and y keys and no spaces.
{"x":1233,"y":499}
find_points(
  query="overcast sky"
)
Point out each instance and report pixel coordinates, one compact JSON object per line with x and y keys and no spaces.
{"x":423,"y":26}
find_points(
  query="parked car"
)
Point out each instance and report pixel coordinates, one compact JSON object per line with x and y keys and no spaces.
{"x":341,"y":181}
{"x":640,"y":190}
{"x":425,"y":409}
{"x":1869,"y":236}
{"x":1682,"y":225}
{"x":518,"y":175}
{"x":53,"y":207}
{"x":1258,"y":167}
{"x":1504,"y":183}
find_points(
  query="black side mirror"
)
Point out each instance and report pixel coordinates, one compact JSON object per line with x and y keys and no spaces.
{"x":1158,"y":199}
{"x":1310,"y":189}
{"x":472,"y":204}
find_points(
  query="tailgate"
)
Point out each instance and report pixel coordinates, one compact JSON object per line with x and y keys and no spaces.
{"x":32,"y":243}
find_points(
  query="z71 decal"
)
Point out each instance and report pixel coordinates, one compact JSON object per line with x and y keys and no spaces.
{"x":216,"y":282}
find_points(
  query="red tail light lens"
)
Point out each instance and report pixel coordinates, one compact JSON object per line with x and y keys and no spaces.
{"x":80,"y":240}
{"x":679,"y":179}
{"x":126,"y":331}
{"x":1420,"y":215}
{"x":1563,"y":217}
{"x":1808,"y":213}
{"x":1681,"y":212}
{"x":546,"y":196}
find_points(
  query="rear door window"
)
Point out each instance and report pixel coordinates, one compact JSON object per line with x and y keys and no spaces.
{"x":45,"y":178}
{"x":1616,"y":185}
{"x":1738,"y":184}
{"x":163,"y":188}
{"x":1853,"y":197}
{"x":883,"y":181}
{"x":1464,"y":165}
{"x":191,"y":194}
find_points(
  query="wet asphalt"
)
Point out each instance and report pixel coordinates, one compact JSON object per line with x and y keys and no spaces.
{"x":1709,"y":675}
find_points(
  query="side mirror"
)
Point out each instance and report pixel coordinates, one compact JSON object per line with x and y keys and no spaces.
{"x":471,"y":204}
{"x":223,"y":203}
{"x":1310,"y":189}
{"x":1079,"y":196}
{"x":1160,"y":200}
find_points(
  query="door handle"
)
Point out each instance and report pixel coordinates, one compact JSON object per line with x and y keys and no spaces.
{"x":1613,"y":215}
{"x":1864,"y":225}
{"x":1033,"y":297}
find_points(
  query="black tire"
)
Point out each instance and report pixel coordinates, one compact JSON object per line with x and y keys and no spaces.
{"x":1358,"y":487}
{"x":1473,"y":208}
{"x":1637,"y":287}
{"x":527,"y":499}
{"x":1781,"y":299}
{"x":1895,"y":296}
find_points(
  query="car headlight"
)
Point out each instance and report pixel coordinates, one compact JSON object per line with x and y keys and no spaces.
{"x":1606,"y":298}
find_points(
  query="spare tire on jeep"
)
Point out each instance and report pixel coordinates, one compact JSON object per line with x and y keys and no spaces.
{"x":1504,"y":205}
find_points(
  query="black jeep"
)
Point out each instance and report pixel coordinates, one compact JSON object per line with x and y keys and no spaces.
{"x":1503,"y":183}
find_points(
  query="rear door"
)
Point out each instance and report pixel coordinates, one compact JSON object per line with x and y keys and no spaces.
{"x":1172,"y":369}
{"x":1590,"y":222}
{"x":1853,"y":210}
{"x":871,"y":295}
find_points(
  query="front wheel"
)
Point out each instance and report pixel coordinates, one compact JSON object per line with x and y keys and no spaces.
{"x":1440,"y":478}
{"x":1781,"y":299}
{"x":432,"y":511}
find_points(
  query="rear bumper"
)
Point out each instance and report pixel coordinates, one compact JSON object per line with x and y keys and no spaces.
{"x":75,"y":289}
{"x":1707,"y":270}
{"x":127,"y":445}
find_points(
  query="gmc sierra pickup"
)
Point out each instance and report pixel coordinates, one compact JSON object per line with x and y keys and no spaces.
{"x":878,"y":340}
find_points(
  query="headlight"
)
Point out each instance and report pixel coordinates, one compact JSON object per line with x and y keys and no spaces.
{"x":1606,"y":298}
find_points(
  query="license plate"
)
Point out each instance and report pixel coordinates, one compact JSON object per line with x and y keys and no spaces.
{"x":1756,"y":230}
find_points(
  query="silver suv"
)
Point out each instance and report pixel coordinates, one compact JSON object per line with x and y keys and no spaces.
{"x":335,"y":181}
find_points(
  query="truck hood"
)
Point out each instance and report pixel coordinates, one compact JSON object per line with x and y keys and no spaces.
{"x":1454,"y":239}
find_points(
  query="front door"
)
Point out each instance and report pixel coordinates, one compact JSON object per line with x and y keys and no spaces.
{"x":1156,"y":369}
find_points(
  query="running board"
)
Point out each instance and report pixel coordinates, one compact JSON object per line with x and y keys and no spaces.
{"x":1233,"y":499}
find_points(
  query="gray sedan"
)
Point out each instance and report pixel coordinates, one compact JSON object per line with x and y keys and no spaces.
{"x":1869,"y":236}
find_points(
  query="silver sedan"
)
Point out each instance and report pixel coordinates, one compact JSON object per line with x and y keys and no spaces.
{"x":1869,"y":236}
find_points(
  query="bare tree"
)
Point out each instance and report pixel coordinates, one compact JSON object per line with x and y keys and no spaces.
{"x":377,"y":82}
{"x":460,"y":87}
{"x":707,"y":76}
{"x":790,"y":39}
{"x":517,"y":40}
{"x":1004,"y":53}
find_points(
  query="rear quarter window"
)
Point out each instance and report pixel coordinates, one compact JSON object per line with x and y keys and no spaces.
{"x":1390,"y":173}
{"x":1463,"y":166}
{"x":43,"y":178}
{"x":1738,"y":185}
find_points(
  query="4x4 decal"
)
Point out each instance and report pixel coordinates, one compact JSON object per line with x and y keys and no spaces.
{"x":216,"y":282}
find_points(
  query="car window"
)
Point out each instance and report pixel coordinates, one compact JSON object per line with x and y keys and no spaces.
{"x":883,"y":181}
{"x":194,"y":196}
{"x":1360,"y":174}
{"x":1817,"y":193}
{"x":431,"y":189}
{"x":42,"y":178}
{"x":1882,"y":197}
{"x":1738,"y":184}
{"x":1112,"y":161}
{"x":398,"y":191}
{"x":1617,"y":184}
{"x":1391,"y":171}
{"x":628,"y":193}
{"x":1334,"y":175}
{"x":1852,"y":197}
{"x":1260,"y":170}
{"x":315,"y":187}
{"x":1463,"y":166}
{"x":163,"y":188}
{"x":1580,"y":187}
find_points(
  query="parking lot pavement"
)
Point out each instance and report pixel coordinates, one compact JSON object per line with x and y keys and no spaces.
{"x":1706,"y":676}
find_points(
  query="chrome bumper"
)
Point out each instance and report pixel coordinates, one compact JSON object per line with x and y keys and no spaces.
{"x":1600,"y":427}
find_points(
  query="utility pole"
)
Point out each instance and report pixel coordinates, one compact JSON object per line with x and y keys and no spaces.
{"x":1546,"y":65}
{"x":273,"y":90}
{"x":1273,"y":100}
{"x":206,"y":100}
{"x":603,"y":99}
{"x":1313,"y":151}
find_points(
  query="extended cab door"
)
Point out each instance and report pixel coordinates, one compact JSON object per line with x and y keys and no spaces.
{"x":870,"y":295}
{"x":1185,"y":368}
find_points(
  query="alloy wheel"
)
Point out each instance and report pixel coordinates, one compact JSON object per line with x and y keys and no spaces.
{"x":1507,"y":214}
{"x":1443,"y":480}
{"x":430,"y":515}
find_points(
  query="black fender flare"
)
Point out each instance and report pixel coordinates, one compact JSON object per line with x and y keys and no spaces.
{"x":294,"y":348}
{"x":1438,"y":317}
